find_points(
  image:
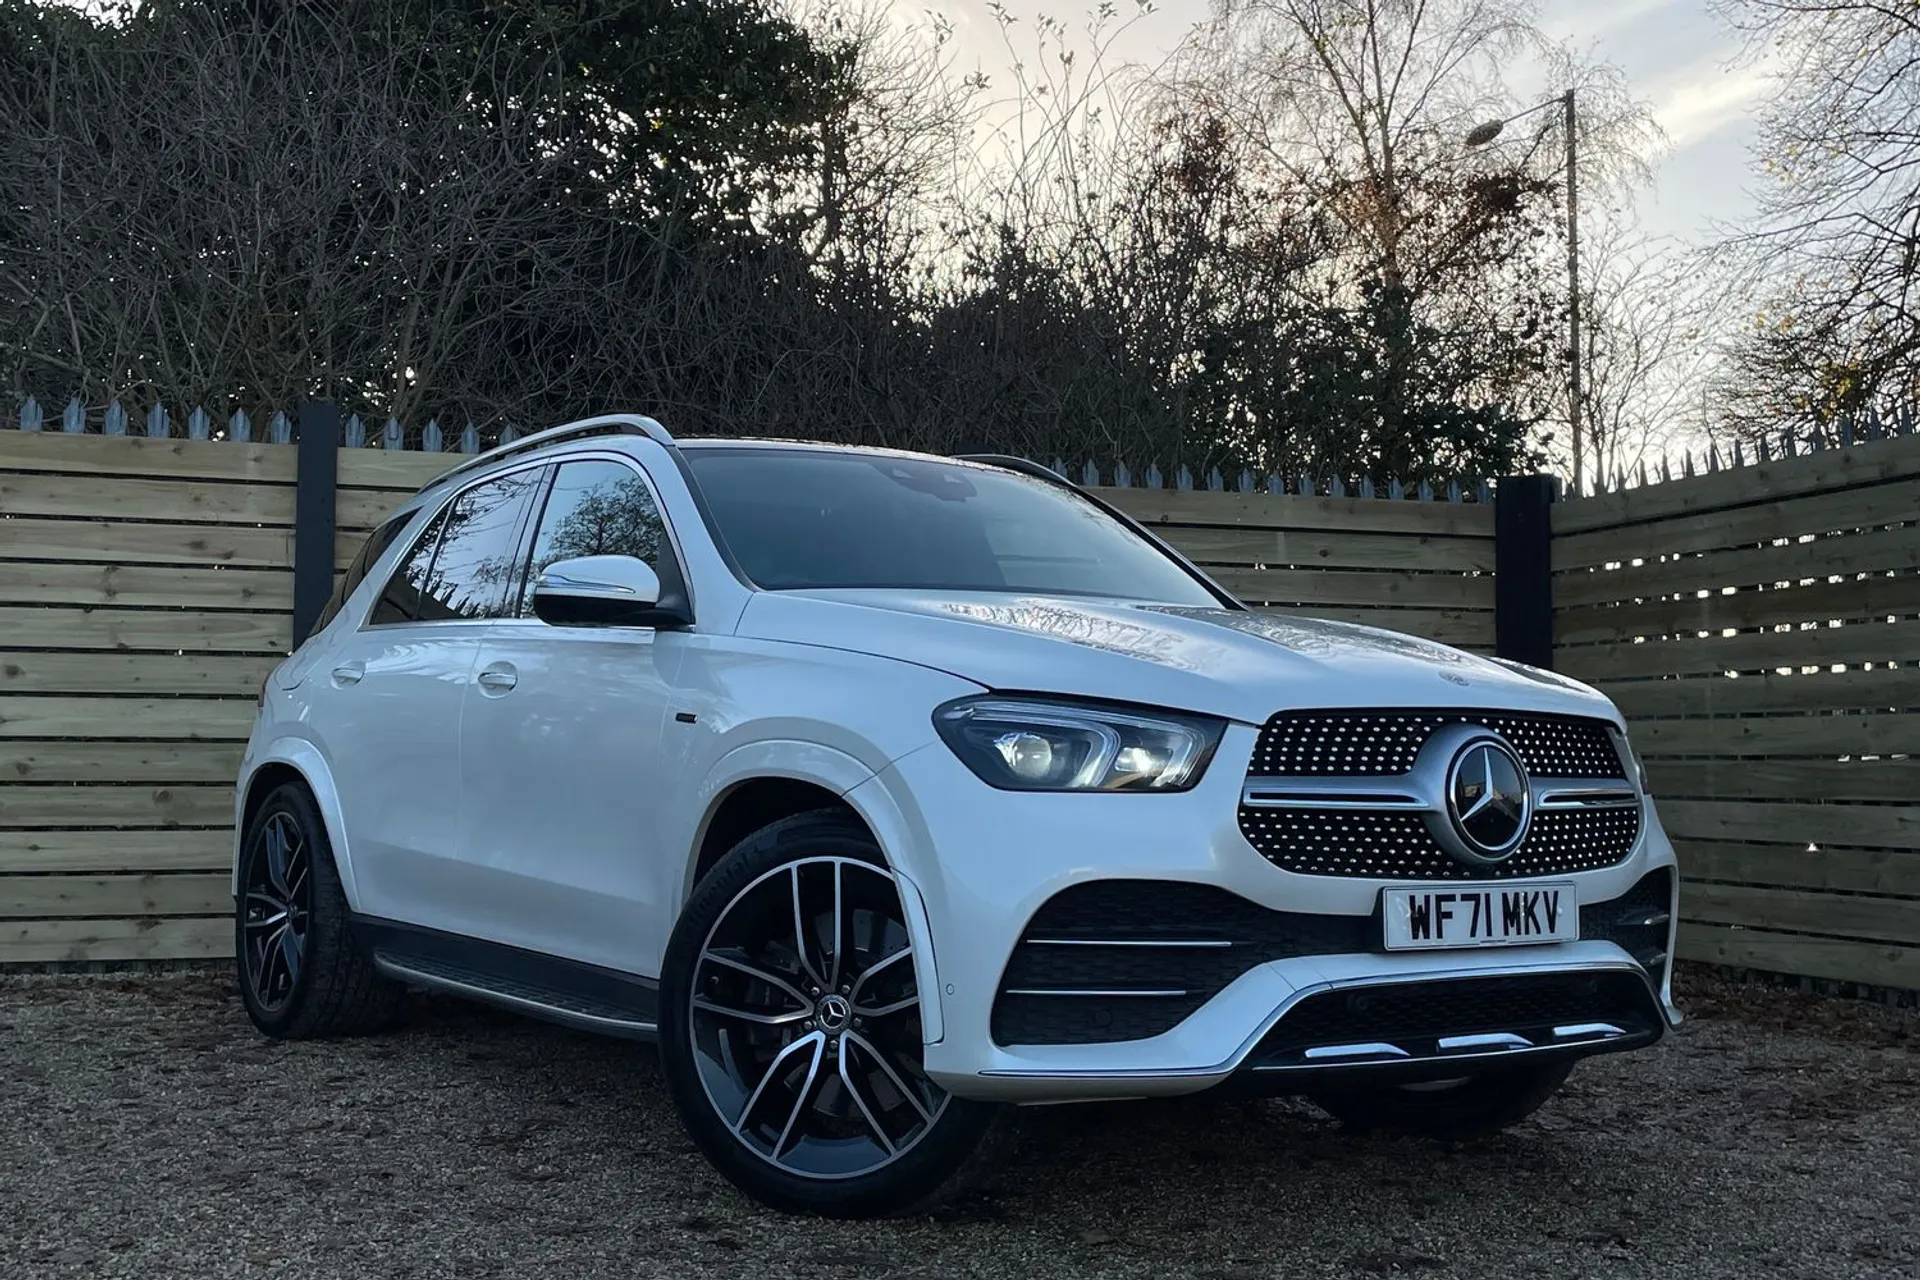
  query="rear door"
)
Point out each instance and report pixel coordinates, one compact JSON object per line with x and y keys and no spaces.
{"x":559,"y":744}
{"x":390,"y":722}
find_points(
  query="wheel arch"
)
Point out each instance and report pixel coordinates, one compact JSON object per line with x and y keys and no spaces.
{"x":293,"y":760}
{"x":760,"y":783}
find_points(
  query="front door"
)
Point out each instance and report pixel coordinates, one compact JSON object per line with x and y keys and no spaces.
{"x":558,"y":746}
{"x":392,"y":724}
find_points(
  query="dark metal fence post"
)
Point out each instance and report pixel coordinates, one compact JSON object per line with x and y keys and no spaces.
{"x":1523,"y":569}
{"x":318,"y":462}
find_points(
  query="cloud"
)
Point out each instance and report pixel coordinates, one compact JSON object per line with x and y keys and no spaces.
{"x":1707,"y":98}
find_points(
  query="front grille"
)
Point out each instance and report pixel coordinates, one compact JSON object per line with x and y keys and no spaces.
{"x":1093,"y":938}
{"x":1417,"y":1014}
{"x":1397,"y":845}
{"x":1384,"y":743}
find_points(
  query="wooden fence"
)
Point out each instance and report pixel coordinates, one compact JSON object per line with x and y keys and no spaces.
{"x":1760,"y":627}
{"x":146,"y":590}
{"x":1757,"y":625}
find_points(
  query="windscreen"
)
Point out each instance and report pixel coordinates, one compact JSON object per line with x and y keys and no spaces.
{"x":815,"y":518}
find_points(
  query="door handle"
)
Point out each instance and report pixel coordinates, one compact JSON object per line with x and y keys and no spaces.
{"x":348,"y":674}
{"x":498,"y":678}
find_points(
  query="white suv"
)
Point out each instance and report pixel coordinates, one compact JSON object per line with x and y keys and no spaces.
{"x":883,"y":789}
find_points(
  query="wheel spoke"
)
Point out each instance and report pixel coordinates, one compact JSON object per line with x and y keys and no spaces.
{"x":268,"y":922}
{"x":853,"y":1091}
{"x":754,"y":971}
{"x":910,"y":1094}
{"x":290,"y":954}
{"x":887,"y":1010}
{"x":773,"y":1069}
{"x":838,"y":941}
{"x":801,"y":1098}
{"x":800,"y":932}
{"x":705,"y":1005}
{"x":884,"y":963}
{"x":269,"y":960}
{"x":276,"y":853}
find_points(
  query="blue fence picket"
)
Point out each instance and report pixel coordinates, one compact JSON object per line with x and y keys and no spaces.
{"x":30,"y":414}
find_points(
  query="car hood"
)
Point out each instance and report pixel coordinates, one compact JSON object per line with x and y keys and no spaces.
{"x":1238,"y":664}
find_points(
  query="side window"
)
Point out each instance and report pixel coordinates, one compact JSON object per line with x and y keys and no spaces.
{"x":461,"y":565}
{"x":400,"y":600}
{"x":370,"y":551}
{"x":595,"y":508}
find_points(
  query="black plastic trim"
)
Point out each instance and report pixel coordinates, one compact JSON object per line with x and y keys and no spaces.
{"x":570,"y":986}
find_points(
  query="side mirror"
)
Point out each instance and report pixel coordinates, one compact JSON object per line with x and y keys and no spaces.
{"x":602,"y":591}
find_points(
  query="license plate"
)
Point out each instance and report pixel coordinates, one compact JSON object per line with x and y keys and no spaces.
{"x":1432,"y":917}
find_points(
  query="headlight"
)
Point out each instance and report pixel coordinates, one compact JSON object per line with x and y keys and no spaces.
{"x":1039,"y":744}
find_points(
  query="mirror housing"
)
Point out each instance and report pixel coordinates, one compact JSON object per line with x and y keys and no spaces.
{"x":604,"y":591}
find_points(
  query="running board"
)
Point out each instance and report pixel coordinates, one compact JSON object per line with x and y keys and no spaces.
{"x":584,"y":997}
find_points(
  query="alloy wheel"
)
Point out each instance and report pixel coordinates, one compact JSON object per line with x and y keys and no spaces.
{"x":276,"y":909}
{"x":805,"y":1021}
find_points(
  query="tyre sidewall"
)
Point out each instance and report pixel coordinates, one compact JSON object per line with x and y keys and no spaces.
{"x":906,"y":1183}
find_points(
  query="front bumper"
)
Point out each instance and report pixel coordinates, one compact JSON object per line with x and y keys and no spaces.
{"x":983,"y":862}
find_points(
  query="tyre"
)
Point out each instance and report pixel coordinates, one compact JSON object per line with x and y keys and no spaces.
{"x":1473,"y":1107}
{"x":790,"y":1030}
{"x":302,"y":973}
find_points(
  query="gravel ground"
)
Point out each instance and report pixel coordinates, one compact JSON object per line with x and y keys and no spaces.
{"x":145,"y":1130}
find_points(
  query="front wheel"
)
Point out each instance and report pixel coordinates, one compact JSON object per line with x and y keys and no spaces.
{"x":1472,"y":1107}
{"x":790,"y":1030}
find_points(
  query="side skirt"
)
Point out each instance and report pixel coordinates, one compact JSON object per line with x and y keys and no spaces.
{"x":583,"y":996}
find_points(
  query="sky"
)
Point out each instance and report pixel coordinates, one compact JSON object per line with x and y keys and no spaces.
{"x":1678,"y":57}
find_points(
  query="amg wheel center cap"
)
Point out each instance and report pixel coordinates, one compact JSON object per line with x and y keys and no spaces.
{"x":835,"y":1013}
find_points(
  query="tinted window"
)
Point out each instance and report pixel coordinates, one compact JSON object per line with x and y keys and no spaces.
{"x":461,"y":566}
{"x":595,"y":508}
{"x":370,"y":551}
{"x":822,"y":518}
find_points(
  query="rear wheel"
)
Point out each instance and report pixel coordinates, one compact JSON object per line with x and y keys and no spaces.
{"x":302,"y":973}
{"x":1470,"y":1107}
{"x":791,"y":1030}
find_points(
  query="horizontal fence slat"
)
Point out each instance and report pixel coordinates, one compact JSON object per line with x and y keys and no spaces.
{"x":1884,"y":549}
{"x":223,"y":675}
{"x":1878,"y":964}
{"x":168,"y":459}
{"x":141,"y":542}
{"x":52,"y":716}
{"x":1317,"y":549}
{"x":89,"y":497}
{"x":1761,"y":651}
{"x":1157,"y":507}
{"x":148,"y":938}
{"x":1878,"y":690}
{"x":1861,"y":465}
{"x":1875,"y":597}
{"x":26,"y":760}
{"x":357,"y":509}
{"x":1315,"y":586}
{"x":1887,"y":872}
{"x":165,"y":630}
{"x":1780,"y":736}
{"x":1462,"y":628}
{"x":39,"y":897}
{"x":115,"y":805}
{"x":401,"y":471}
{"x":1749,"y":779}
{"x":1744,"y":527}
{"x":1797,"y":910}
{"x":145,"y":586}
{"x":1877,"y":826}
{"x":77,"y":850}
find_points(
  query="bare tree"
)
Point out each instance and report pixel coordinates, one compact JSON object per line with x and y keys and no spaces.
{"x":1834,"y":248}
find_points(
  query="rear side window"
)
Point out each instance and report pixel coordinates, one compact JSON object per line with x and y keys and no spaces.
{"x":595,"y":508}
{"x":370,"y":552}
{"x":461,"y":566}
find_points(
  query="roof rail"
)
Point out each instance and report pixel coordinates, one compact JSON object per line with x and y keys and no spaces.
{"x":1021,"y":465}
{"x":612,"y":424}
